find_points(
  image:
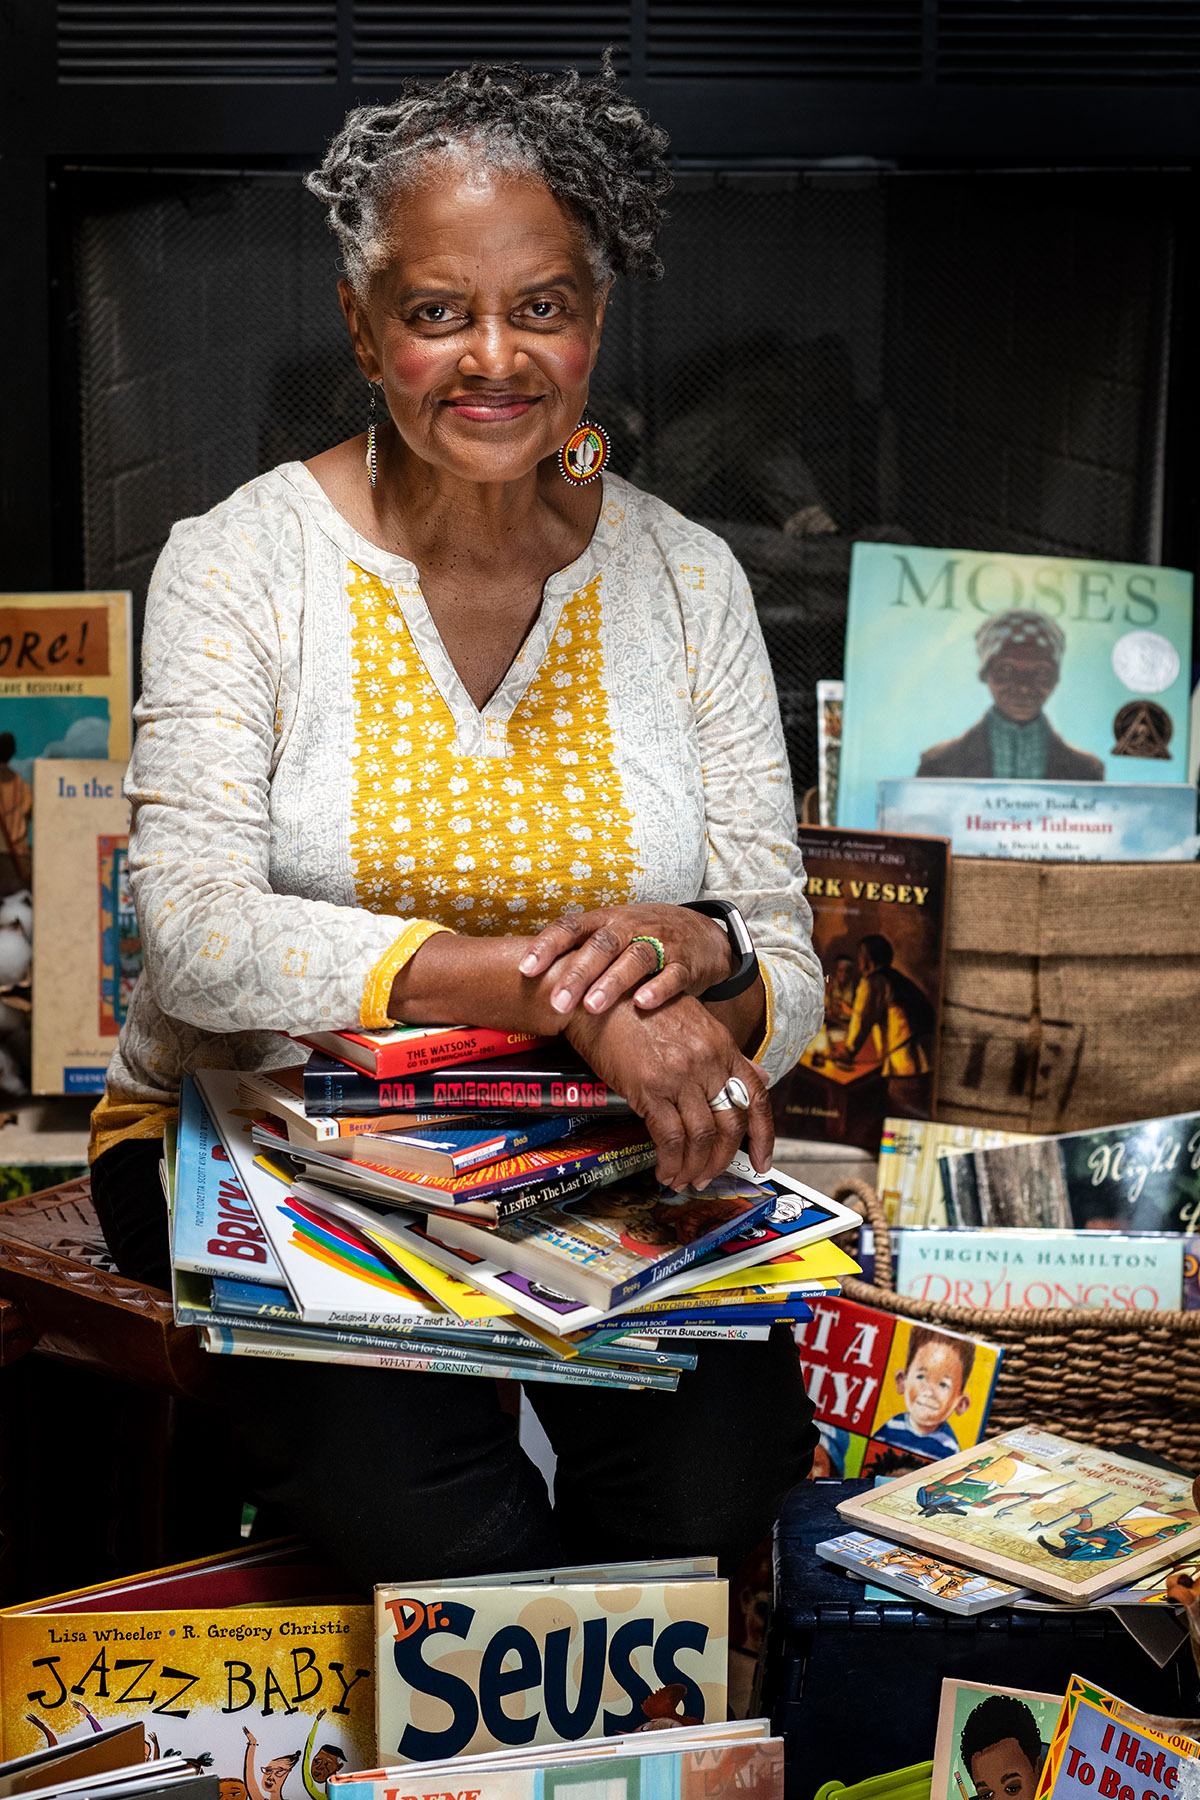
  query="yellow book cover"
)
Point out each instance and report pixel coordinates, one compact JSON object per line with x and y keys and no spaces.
{"x":237,"y":1662}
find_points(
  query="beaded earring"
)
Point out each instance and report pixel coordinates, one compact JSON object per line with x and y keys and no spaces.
{"x":585,"y":453}
{"x":372,"y":460}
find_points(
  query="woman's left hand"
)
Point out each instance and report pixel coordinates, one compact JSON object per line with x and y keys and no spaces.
{"x":599,"y":956}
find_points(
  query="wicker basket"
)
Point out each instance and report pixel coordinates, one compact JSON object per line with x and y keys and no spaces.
{"x":1106,"y":1378}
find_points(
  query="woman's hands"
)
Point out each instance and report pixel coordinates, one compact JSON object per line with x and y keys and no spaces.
{"x":669,"y":1063}
{"x":596,"y":960}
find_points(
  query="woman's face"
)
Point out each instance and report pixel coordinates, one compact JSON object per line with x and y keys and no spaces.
{"x":484,"y":324}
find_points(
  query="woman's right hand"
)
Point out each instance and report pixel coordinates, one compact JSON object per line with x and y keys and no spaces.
{"x":669,"y":1064}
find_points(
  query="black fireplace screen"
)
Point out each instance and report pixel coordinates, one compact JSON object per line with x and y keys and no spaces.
{"x":973,"y":360}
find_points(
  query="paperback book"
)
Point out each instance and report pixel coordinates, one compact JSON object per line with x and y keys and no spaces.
{"x":214,"y":1227}
{"x":545,"y":1655}
{"x":916,"y":1575}
{"x":829,"y":748}
{"x":1102,"y":1746}
{"x":545,"y":1081}
{"x":879,"y":919}
{"x":1048,"y":821}
{"x":994,"y":1270}
{"x":989,"y":1739}
{"x":410,"y":1049}
{"x":889,"y":1394}
{"x":908,"y":1179}
{"x":979,"y":665}
{"x":1144,"y":1176}
{"x":280,"y":1092}
{"x":1042,"y":1511}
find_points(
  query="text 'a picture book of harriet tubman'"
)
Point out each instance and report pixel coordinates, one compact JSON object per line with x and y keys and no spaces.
{"x":734,"y":1760}
{"x":908,"y":1177}
{"x":879,"y":914}
{"x":1039,"y":1510}
{"x":1101,"y":1746}
{"x":889,"y":1394}
{"x":931,"y":1580}
{"x":236,"y":1661}
{"x":546,"y":1656}
{"x":974,"y":665}
{"x":991,"y":1741}
{"x":87,"y":949}
{"x":1144,"y":1176}
{"x":1048,"y":821}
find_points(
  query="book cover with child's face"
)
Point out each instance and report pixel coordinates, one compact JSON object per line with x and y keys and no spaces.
{"x":888,"y":1394}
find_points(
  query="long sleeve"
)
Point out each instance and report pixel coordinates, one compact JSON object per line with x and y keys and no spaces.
{"x":222,"y":951}
{"x":753,"y":857}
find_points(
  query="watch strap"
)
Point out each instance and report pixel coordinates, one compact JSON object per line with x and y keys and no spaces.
{"x":738,"y":933}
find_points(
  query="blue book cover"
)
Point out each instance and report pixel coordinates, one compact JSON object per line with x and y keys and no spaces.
{"x":969,"y":665}
{"x":214,"y":1228}
{"x":1048,"y":821}
{"x":478,"y":1148}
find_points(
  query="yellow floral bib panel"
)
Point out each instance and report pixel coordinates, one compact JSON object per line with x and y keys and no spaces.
{"x":500,"y":842}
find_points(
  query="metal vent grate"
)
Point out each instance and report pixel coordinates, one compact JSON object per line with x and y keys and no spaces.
{"x":1092,"y":43}
{"x":842,"y":40}
{"x":149,"y":41}
{"x":403,"y":37}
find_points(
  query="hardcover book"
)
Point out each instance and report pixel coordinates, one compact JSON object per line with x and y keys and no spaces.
{"x":889,"y":1394}
{"x":995,"y":1270}
{"x":1144,"y":1176}
{"x":233,"y":1658}
{"x":545,"y":1081}
{"x":879,"y":917}
{"x":1041,"y":1511}
{"x":546,"y":1655}
{"x":829,"y":747}
{"x":1102,"y":1746}
{"x":1048,"y":821}
{"x":87,"y":948}
{"x":928,"y":1579}
{"x":280,"y":1092}
{"x":408,"y":1049}
{"x":908,"y":1179}
{"x":967,"y":665}
{"x":989,"y":1739}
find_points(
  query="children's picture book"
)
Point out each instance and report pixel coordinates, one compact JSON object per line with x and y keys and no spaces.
{"x":969,"y":665}
{"x":929,"y":1579}
{"x":879,"y":920}
{"x":546,"y":1655}
{"x":87,"y":950}
{"x":408,"y":1049}
{"x":549,"y":1080}
{"x":908,"y":1179}
{"x":450,"y":1149}
{"x":214,"y":1227}
{"x":991,"y":1741}
{"x":995,"y":1269}
{"x":829,"y":748}
{"x":1048,"y":821}
{"x":1144,"y":1176}
{"x":236,"y":1660}
{"x":1041,"y":1511}
{"x":615,"y":1242}
{"x":889,"y":1394}
{"x":664,"y":1760}
{"x":1102,"y":1746}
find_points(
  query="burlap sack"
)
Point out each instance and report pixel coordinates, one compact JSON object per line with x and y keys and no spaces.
{"x":1072,"y":994}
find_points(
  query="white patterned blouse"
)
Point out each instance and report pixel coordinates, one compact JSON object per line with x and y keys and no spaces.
{"x":314,"y":792}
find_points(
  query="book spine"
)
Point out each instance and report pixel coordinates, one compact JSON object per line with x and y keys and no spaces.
{"x":615,"y":1167}
{"x":336,"y":1093}
{"x":222,"y":1341}
{"x":419,"y":1056}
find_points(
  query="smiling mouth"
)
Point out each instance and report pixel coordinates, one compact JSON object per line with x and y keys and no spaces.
{"x":491,"y":408}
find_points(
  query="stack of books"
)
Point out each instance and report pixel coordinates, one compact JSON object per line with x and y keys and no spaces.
{"x":437,"y":1199}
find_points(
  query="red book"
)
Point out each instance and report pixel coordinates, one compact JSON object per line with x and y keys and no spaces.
{"x":408,"y":1049}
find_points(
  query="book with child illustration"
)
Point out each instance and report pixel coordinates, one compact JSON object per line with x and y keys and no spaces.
{"x":889,"y":1394}
{"x":574,"y":1652}
{"x":1043,"y":1511}
{"x":879,"y":915}
{"x":915,"y":1575}
{"x":991,"y":1741}
{"x":238,"y":1660}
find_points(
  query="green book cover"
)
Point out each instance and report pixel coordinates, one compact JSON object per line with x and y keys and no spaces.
{"x":974,"y":665}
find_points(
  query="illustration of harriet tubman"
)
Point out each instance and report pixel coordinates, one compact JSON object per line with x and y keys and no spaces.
{"x":1020,"y":660}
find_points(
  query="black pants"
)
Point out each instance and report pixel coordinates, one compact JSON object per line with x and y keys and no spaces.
{"x":399,"y":1476}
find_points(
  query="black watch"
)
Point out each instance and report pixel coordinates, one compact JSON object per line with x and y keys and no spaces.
{"x":740,"y":942}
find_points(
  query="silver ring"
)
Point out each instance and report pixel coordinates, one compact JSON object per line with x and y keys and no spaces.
{"x":734,"y":1093}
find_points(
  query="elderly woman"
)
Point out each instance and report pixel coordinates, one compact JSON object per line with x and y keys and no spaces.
{"x":438,"y":727}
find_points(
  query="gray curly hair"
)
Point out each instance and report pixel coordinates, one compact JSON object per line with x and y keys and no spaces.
{"x":594,"y":149}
